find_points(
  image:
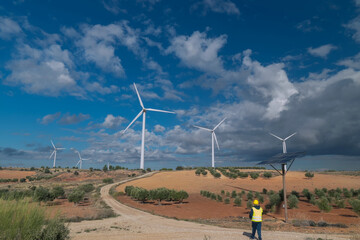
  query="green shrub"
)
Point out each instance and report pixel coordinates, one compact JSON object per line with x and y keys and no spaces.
{"x":347,"y":193}
{"x":219,"y":198}
{"x":204,"y":172}
{"x":249,"y":204}
{"x":250,"y":196}
{"x":22,"y":180}
{"x":159,"y":194}
{"x":58,"y":191}
{"x":233,"y":194}
{"x":355,"y":204}
{"x":227,"y":200}
{"x":254,"y":175}
{"x":47,"y":170}
{"x":108,"y":180}
{"x":22,"y":220}
{"x":237,"y":201}
{"x":309,"y":175}
{"x":76,"y":196}
{"x":275,"y":199}
{"x":181,"y":196}
{"x":227,"y":194}
{"x":319,"y":193}
{"x":267,"y":174}
{"x":340,"y":203}
{"x":323,"y":204}
{"x":243,"y":174}
{"x":198,"y":172}
{"x":261,"y":199}
{"x":128,"y":190}
{"x":293,"y":201}
{"x":76,"y":173}
{"x":142,"y":195}
{"x":295,"y":193}
{"x":179,"y":168}
{"x":213,"y":196}
{"x":86,"y":188}
{"x":222,"y":192}
{"x":42,"y":194}
{"x":264,"y":191}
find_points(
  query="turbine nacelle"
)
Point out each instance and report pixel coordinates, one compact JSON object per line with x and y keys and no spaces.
{"x":283,"y":140}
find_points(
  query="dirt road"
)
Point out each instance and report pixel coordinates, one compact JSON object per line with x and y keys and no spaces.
{"x":138,"y":225}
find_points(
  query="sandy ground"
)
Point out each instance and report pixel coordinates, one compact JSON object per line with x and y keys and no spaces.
{"x":6,"y":174}
{"x":135,"y":224}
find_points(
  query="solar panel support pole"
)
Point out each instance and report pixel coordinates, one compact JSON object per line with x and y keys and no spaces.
{"x":283,"y":166}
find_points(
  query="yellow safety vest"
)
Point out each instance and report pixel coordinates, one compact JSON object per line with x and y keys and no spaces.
{"x":257,"y":215}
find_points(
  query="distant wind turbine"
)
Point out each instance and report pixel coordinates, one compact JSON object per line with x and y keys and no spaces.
{"x":143,"y":111}
{"x":80,"y":159}
{"x":283,"y":140}
{"x":54,"y":152}
{"x":213,"y":138}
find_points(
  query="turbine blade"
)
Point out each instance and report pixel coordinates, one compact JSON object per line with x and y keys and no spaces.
{"x":219,"y":124}
{"x":207,"y":129}
{"x":60,"y":148}
{"x":157,"y":110}
{"x":79,"y":154}
{"x":290,"y":136}
{"x":52,"y":154}
{"x":217,"y":144}
{"x":133,"y":121}
{"x":52,"y":143}
{"x":137,"y":92}
{"x":276,"y":137}
{"x":77,"y":163}
{"x":85,"y":159}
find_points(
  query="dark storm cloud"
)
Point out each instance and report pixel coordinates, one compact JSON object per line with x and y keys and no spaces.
{"x":9,"y":152}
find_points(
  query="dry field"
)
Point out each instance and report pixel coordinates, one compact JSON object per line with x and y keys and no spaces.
{"x":199,"y":208}
{"x":10,"y":174}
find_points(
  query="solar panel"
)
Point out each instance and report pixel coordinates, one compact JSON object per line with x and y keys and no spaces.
{"x":282,"y":158}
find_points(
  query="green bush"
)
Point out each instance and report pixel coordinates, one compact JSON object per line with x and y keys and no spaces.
{"x":222,"y":192}
{"x":86,"y":188}
{"x":128,"y":190}
{"x":227,"y":200}
{"x":204,"y":172}
{"x":76,"y":196}
{"x":275,"y":199}
{"x":261,"y":199}
{"x":219,"y":198}
{"x":159,"y":194}
{"x":264,"y":191}
{"x":227,"y":194}
{"x":254,"y":175}
{"x":42,"y":194}
{"x":250,"y":196}
{"x":340,"y":203}
{"x":181,"y":196}
{"x":237,"y":201}
{"x":295,"y":193}
{"x":233,"y":194}
{"x":293,"y":201}
{"x":267,"y":174}
{"x":249,"y":204}
{"x":58,"y":191}
{"x":309,"y":175}
{"x":179,"y":168}
{"x":142,"y":195}
{"x":243,"y":174}
{"x":23,"y":221}
{"x":323,"y":204}
{"x":76,"y":173}
{"x":319,"y":193}
{"x":355,"y":204}
{"x":108,"y":180}
{"x":198,"y":172}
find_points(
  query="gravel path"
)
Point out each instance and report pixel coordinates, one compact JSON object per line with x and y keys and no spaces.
{"x":138,"y":225}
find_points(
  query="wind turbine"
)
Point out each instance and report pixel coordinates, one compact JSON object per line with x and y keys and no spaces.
{"x":213,"y":137}
{"x":283,"y":140}
{"x":143,"y":112}
{"x":54,"y":152}
{"x":80,"y":159}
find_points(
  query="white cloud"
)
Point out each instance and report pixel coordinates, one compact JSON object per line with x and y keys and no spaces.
{"x":352,"y":62}
{"x":219,"y":6}
{"x":322,"y":51}
{"x":354,"y":25}
{"x":50,"y":118}
{"x":272,"y":82}
{"x":113,"y":122}
{"x":8,"y":28}
{"x":159,"y":128}
{"x":199,"y":52}
{"x":68,"y":119}
{"x":43,"y":71}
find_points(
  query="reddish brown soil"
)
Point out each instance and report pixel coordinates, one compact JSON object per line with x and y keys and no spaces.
{"x":199,"y":207}
{"x":6,"y":174}
{"x":86,"y":175}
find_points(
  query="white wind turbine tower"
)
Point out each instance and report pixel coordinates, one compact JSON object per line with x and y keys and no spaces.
{"x":143,"y":112}
{"x":283,"y":140}
{"x":213,"y":138}
{"x":80,"y":159}
{"x":54,"y":152}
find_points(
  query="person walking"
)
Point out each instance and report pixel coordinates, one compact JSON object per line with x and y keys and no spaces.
{"x":256,"y":219}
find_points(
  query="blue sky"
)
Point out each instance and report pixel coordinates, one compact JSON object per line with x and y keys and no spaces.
{"x":67,"y":69}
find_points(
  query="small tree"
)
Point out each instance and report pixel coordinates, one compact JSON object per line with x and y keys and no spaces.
{"x":237,"y":201}
{"x":58,"y":191}
{"x":250,"y":196}
{"x":76,"y":196}
{"x":42,"y":194}
{"x":198,"y":172}
{"x":323,"y":204}
{"x":142,"y":195}
{"x":293,"y":201}
{"x":182,"y":195}
{"x":355,"y":204}
{"x":249,"y":204}
{"x":264,"y":191}
{"x":267,"y":174}
{"x":227,"y":200}
{"x":179,"y":168}
{"x":76,"y":173}
{"x":309,"y":175}
{"x":254,"y":175}
{"x":108,"y":180}
{"x":233,"y":194}
{"x":219,"y":198}
{"x":86,"y":188}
